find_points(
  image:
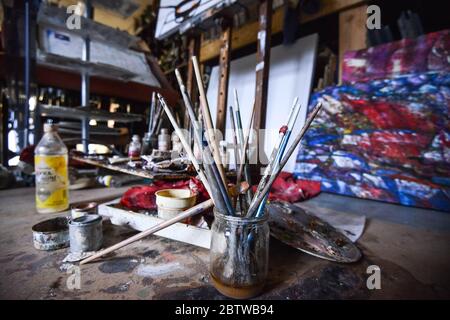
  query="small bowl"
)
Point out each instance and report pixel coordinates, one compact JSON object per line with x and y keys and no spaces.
{"x":171,"y":202}
{"x":83,"y":209}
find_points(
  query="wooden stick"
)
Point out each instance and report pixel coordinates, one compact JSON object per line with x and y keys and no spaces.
{"x":185,"y":214}
{"x":279,"y":167}
{"x":208,"y":121}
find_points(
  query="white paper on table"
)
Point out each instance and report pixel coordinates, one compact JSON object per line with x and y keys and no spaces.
{"x":351,"y":225}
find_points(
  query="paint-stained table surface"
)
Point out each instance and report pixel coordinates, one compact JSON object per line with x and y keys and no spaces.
{"x":414,"y":260}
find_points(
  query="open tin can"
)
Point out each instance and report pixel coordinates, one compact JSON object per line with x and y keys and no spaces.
{"x":86,"y":233}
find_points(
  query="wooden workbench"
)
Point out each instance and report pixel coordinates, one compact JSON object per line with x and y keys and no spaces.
{"x":414,"y":261}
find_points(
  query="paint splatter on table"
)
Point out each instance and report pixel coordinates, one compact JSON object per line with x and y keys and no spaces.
{"x":158,"y":268}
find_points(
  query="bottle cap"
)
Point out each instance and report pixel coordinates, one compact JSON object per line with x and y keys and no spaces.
{"x":49,"y":126}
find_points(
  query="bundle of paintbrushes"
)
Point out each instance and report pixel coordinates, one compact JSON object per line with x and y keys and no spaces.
{"x":238,"y":246}
{"x":229,"y":200}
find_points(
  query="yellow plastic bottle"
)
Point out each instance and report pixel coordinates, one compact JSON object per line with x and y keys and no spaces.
{"x":51,"y":169}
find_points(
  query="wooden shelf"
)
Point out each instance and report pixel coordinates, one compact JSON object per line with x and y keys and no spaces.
{"x":90,"y":113}
{"x":47,"y":76}
{"x":136,"y":172}
{"x":247,"y":34}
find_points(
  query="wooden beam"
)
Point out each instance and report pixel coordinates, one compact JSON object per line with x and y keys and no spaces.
{"x":246,"y":35}
{"x":352,"y":32}
{"x":224,"y":71}
{"x":193,"y":50}
{"x":262,"y":66}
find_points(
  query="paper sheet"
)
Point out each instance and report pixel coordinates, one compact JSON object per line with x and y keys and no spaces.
{"x":350,"y":225}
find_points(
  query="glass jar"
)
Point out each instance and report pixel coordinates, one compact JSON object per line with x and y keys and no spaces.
{"x":239,"y":255}
{"x":134,"y":150}
{"x":164,"y":140}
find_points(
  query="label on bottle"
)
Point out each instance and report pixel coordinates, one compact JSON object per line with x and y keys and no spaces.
{"x":51,"y":182}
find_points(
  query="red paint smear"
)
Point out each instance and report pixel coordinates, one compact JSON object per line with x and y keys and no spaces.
{"x":395,"y":145}
{"x":286,"y":188}
{"x":385,"y":115}
{"x":143,"y":197}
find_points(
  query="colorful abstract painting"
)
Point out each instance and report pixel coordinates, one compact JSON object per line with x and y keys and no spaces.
{"x":430,"y":52}
{"x":386,"y":139}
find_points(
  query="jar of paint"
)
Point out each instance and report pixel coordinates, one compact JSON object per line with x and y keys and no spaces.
{"x":164,"y":140}
{"x":172,"y":202}
{"x":134,"y":150}
{"x":239,"y":255}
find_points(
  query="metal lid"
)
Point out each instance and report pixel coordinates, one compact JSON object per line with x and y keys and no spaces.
{"x":82,"y":207}
{"x":84,"y":220}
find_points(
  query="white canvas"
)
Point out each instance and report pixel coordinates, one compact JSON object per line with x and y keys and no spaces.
{"x":291,"y":73}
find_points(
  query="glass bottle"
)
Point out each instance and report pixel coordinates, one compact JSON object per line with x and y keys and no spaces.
{"x":239,"y":255}
{"x":134,"y":150}
{"x":51,"y":169}
{"x":164,"y":140}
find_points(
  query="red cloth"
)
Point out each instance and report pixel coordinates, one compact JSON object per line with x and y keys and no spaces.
{"x":143,"y":197}
{"x":286,"y":188}
{"x":27,"y":154}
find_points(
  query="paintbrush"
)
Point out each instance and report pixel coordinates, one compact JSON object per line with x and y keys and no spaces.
{"x":185,"y":214}
{"x":235,"y":147}
{"x":152,"y":112}
{"x":210,"y":133}
{"x":245,"y":146}
{"x":239,"y":126}
{"x":280,"y":153}
{"x":252,"y":210}
{"x":157,"y":120}
{"x":185,"y":144}
{"x":272,"y":161}
{"x":244,"y":152}
{"x":222,"y":201}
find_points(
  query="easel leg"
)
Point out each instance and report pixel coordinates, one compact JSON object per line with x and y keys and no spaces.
{"x":262,"y":69}
{"x":224,"y":63}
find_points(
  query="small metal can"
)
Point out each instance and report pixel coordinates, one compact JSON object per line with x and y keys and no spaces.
{"x":83,"y":209}
{"x":86,"y":233}
{"x":51,"y":234}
